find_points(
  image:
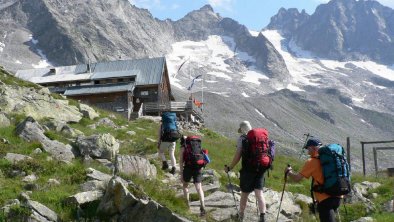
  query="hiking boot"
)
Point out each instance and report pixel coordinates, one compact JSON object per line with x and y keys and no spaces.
{"x":165,"y":165}
{"x":262,"y":219}
{"x":172,"y":171}
{"x":202,"y":211}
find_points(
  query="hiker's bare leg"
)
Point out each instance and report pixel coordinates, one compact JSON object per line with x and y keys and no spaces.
{"x":171,"y":150}
{"x":242,"y":202}
{"x":261,"y":200}
{"x":186,"y":192}
{"x":200,"y":194}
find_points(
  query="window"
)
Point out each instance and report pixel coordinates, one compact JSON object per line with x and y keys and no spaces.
{"x":144,"y":93}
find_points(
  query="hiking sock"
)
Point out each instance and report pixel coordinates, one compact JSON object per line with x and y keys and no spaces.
{"x":172,"y":171}
{"x":262,"y":217}
{"x":165,"y":165}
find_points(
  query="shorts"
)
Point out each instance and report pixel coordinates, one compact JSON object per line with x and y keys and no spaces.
{"x":167,"y":145}
{"x":189,"y":173}
{"x":250,"y":180}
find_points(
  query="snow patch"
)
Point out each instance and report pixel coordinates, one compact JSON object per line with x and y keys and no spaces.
{"x":299,"y":68}
{"x":224,"y":94}
{"x":260,"y":113}
{"x":373,"y":85}
{"x":254,"y":33}
{"x":294,"y":88}
{"x":220,"y":75}
{"x":211,"y":52}
{"x":2,"y":46}
{"x":18,"y":62}
{"x":245,"y":95}
{"x":253,"y":76}
{"x":358,"y":99}
{"x":43,"y":63}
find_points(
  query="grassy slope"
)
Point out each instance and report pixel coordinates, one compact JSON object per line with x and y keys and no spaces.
{"x":221,"y":150}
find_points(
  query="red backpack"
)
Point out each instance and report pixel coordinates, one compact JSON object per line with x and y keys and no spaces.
{"x":255,"y":150}
{"x":193,"y":155}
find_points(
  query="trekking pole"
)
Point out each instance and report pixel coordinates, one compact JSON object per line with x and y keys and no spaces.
{"x":283,"y":191}
{"x":231,"y":185}
{"x":306,"y":140}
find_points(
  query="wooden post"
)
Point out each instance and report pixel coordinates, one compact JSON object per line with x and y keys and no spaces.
{"x":363,"y":157}
{"x":375,"y":160}
{"x":348,"y":152}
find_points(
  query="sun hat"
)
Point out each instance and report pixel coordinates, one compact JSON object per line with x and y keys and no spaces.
{"x":244,"y":127}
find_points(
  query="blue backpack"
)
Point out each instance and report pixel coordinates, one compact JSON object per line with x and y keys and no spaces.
{"x":169,"y":121}
{"x":335,"y":171}
{"x":169,"y":129}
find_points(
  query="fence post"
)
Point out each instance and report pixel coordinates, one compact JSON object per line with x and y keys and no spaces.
{"x":363,"y":157}
{"x":348,"y":152}
{"x":375,"y":159}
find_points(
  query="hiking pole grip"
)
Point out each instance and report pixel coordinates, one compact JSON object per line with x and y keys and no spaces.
{"x":227,"y":167}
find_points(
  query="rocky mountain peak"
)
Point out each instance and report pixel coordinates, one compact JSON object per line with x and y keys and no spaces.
{"x":345,"y":29}
{"x":207,"y":7}
{"x":288,"y":20}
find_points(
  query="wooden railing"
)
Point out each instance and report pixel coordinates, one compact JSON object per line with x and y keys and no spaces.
{"x":187,"y":106}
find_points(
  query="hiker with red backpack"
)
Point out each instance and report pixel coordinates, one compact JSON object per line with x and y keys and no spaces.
{"x":329,"y":170}
{"x":193,"y":158}
{"x":253,"y":147}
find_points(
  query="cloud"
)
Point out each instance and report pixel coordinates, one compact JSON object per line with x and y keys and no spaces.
{"x":175,"y":6}
{"x":389,"y":3}
{"x":224,"y":4}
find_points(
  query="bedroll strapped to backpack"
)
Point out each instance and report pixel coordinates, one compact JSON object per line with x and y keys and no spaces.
{"x":256,"y":152}
{"x":194,"y":156}
{"x":335,"y":171}
{"x":169,"y":129}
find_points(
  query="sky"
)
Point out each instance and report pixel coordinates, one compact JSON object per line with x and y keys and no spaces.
{"x":254,"y":14}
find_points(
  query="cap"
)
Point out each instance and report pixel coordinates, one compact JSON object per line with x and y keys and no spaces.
{"x":312,"y":142}
{"x":244,"y":127}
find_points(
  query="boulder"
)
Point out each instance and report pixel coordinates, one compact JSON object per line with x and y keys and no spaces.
{"x":122,"y":205}
{"x":41,"y":212}
{"x":107,"y":122}
{"x":87,"y":111}
{"x":84,"y":197}
{"x":30,"y":130}
{"x":37,"y":103}
{"x":389,"y":206}
{"x":135,"y":165}
{"x":14,"y":157}
{"x":4,"y":121}
{"x":364,"y":219}
{"x":117,"y":198}
{"x":102,"y":146}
